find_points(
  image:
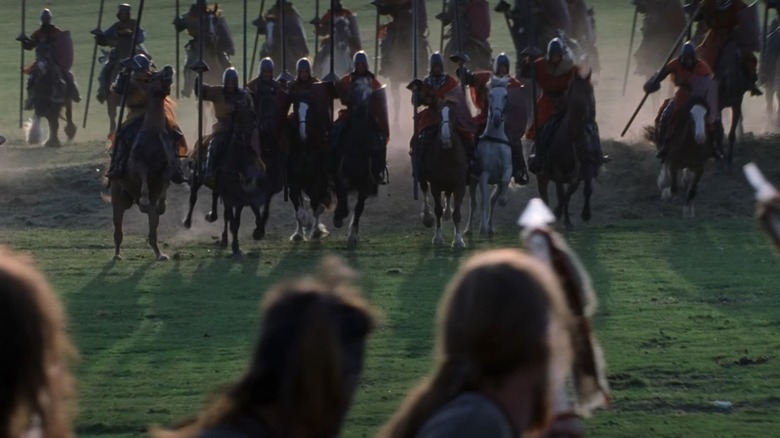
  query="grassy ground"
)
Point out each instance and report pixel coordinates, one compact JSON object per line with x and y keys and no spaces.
{"x":689,"y":310}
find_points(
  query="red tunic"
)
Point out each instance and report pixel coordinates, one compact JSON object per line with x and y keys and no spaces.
{"x":552,"y":88}
{"x":477,"y":13}
{"x":720,"y":24}
{"x":682,"y":77}
{"x":480,"y":94}
{"x":342,"y":93}
{"x":428,"y":116}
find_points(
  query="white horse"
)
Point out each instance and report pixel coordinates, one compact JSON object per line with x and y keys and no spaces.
{"x":495,"y":155}
{"x":342,"y":63}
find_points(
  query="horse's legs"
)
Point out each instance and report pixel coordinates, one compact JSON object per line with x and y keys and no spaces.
{"x":54,"y":129}
{"x":498,"y":193}
{"x":342,"y":206}
{"x":227,"y":214}
{"x":438,"y":210}
{"x":154,"y":221}
{"x":457,"y":203}
{"x":425,"y":207}
{"x":144,"y":202}
{"x":162,"y":200}
{"x":673,"y":180}
{"x":213,"y":215}
{"x":111,"y":108}
{"x":70,"y":127}
{"x":472,"y":206}
{"x":484,"y":195}
{"x":118,"y":208}
{"x":259,"y":231}
{"x":318,"y":230}
{"x":262,"y":219}
{"x":560,"y":192}
{"x":193,"y":200}
{"x":542,"y":182}
{"x":235,"y":223}
{"x":587,"y":191}
{"x":396,"y":103}
{"x":354,"y":226}
{"x":697,"y":173}
{"x":736,"y":116}
{"x":447,"y":205}
{"x":295,"y":197}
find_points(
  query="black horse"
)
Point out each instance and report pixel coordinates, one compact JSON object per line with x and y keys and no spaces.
{"x":357,"y":155}
{"x":49,"y":96}
{"x":306,"y":174}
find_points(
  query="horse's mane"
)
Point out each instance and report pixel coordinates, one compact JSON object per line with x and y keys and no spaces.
{"x":169,"y":109}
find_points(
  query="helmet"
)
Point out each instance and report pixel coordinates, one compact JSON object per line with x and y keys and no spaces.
{"x":266,"y":64}
{"x":688,"y":52}
{"x":303,"y":64}
{"x":141,"y":64}
{"x":501,"y":59}
{"x":124,"y":7}
{"x":434,"y":60}
{"x":230,"y":75}
{"x":46,"y":16}
{"x":555,"y":47}
{"x":722,"y":5}
{"x":360,"y":58}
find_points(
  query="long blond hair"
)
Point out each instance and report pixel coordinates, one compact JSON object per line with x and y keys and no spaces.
{"x":36,"y":387}
{"x":502,"y":312}
{"x":311,"y":332}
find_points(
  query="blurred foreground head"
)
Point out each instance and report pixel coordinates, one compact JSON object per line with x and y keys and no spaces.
{"x":36,"y":387}
{"x":502,"y":335}
{"x":305,"y":366}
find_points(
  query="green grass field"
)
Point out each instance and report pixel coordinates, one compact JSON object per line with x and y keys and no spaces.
{"x":689,"y":312}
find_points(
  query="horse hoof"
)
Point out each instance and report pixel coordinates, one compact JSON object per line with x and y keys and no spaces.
{"x":666,"y":194}
{"x":117,"y":257}
{"x":52,"y":143}
{"x":458,"y":244}
{"x":352,"y":243}
{"x":187,"y":223}
{"x":297,"y":237}
{"x":586,"y":215}
{"x":427,"y":220}
{"x":438,"y":241}
{"x":162,"y":258}
{"x":222,"y":243}
{"x":212,"y":217}
{"x":319,"y":232}
{"x":258,"y":234}
{"x":237,"y":255}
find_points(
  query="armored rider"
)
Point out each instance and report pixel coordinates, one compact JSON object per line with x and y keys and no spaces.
{"x":479,"y":83}
{"x":43,"y":40}
{"x":684,"y":70}
{"x":216,"y":30}
{"x":231,"y":105}
{"x":133,"y":81}
{"x":120,"y":38}
{"x":360,"y":74}
{"x":437,"y":86}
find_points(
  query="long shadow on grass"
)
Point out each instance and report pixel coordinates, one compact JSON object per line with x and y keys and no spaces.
{"x":418,"y":297}
{"x":588,"y":246}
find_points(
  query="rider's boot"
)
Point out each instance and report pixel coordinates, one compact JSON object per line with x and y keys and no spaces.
{"x":535,"y":159}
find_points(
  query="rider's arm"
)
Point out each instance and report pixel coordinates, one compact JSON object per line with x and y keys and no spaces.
{"x":654,"y":83}
{"x":180,"y":23}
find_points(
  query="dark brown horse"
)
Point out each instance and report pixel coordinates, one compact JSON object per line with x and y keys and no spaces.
{"x":445,"y":166}
{"x":733,"y":83}
{"x":306,"y":175}
{"x":150,"y":166}
{"x":690,"y":147}
{"x":571,"y":158}
{"x":241,"y":181}
{"x":49,"y":96}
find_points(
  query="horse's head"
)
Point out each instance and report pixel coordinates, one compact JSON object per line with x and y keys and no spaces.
{"x":360,"y":93}
{"x":580,"y":98}
{"x":301,"y":114}
{"x":341,"y":32}
{"x":160,"y":82}
{"x":446,"y":107}
{"x":497,"y":101}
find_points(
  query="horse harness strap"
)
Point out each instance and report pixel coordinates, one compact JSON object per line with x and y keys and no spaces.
{"x":495,"y":140}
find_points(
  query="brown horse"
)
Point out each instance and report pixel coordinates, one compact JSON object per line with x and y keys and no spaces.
{"x":150,"y":166}
{"x":689,"y":148}
{"x":307,"y":177}
{"x":445,"y":167}
{"x":49,"y":96}
{"x":571,"y":158}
